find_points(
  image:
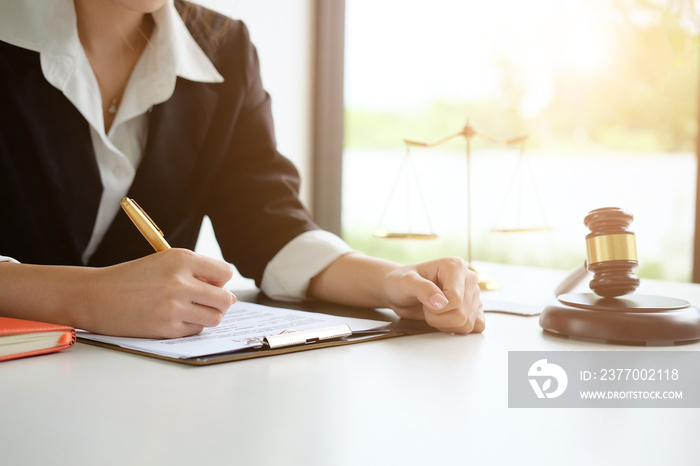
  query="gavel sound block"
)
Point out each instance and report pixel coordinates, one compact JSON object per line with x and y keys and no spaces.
{"x":604,"y":314}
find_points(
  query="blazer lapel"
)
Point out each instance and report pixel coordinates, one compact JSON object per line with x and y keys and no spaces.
{"x":64,"y":167}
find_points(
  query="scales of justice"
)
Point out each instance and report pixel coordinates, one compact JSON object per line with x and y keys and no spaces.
{"x":408,"y":169}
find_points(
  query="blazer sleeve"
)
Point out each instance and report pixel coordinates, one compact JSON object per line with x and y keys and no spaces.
{"x":254,"y":201}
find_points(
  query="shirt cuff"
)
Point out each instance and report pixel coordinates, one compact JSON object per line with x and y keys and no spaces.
{"x":8,"y":259}
{"x":287,"y":275}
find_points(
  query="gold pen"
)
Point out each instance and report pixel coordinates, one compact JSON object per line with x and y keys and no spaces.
{"x":145,"y":225}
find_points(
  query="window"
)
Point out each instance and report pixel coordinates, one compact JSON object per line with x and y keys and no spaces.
{"x":604,"y":90}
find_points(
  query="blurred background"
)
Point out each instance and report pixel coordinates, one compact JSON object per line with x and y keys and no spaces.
{"x":605,"y":90}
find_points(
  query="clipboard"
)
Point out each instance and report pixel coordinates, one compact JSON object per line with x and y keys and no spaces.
{"x":291,"y":341}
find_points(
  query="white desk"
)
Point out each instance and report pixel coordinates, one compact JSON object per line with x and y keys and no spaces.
{"x":431,"y":399}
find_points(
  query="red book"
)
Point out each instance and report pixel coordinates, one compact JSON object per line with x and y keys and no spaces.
{"x":20,"y":338}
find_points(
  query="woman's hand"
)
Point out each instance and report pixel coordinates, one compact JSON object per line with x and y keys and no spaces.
{"x":168,"y":294}
{"x":443,"y":292}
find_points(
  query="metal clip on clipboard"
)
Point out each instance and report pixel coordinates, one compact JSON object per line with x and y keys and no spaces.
{"x":305,"y":337}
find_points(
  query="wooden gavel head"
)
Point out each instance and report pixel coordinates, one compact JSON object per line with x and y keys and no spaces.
{"x":612,"y":252}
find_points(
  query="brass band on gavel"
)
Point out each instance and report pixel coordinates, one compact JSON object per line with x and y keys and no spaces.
{"x":617,"y":247}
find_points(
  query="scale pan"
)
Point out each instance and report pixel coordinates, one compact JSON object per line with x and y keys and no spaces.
{"x":394,"y":235}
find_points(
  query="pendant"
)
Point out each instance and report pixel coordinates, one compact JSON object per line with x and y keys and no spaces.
{"x":112,"y":106}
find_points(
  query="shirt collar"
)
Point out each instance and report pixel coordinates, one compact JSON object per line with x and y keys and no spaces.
{"x":176,"y":45}
{"x":40,"y":25}
{"x":49,"y":27}
{"x":172,"y":52}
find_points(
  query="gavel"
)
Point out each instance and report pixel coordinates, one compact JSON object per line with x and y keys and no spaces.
{"x":611,"y":252}
{"x":603,"y":315}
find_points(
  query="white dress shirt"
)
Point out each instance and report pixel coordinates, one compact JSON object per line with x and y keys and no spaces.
{"x":49,"y":27}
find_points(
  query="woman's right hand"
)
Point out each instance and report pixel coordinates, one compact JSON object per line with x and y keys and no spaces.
{"x":168,"y":294}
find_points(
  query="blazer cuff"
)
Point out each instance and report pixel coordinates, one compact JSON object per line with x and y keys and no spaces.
{"x":287,"y":275}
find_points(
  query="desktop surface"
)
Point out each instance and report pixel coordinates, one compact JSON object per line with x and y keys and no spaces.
{"x":414,"y":400}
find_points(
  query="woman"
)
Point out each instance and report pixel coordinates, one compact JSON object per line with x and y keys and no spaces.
{"x":163,"y":102}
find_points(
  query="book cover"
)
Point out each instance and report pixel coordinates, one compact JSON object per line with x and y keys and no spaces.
{"x":20,"y":338}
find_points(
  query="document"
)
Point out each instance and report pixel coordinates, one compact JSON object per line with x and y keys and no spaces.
{"x":242,"y":328}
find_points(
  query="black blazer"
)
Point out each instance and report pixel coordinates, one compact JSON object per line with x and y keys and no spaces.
{"x":210,"y":151}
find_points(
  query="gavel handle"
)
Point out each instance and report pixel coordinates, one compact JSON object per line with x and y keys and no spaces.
{"x":574,"y":277}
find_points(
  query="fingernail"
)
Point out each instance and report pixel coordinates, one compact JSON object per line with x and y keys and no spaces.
{"x":438,"y":301}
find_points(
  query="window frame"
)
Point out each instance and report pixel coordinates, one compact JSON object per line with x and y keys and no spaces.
{"x":328,"y":117}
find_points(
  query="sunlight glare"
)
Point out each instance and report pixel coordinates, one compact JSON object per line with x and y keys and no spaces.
{"x":586,"y":50}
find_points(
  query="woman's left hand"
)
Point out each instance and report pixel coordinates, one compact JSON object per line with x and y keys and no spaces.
{"x":443,"y":292}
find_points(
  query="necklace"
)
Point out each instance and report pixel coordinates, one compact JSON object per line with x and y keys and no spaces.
{"x":129,"y":52}
{"x":137,"y":48}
